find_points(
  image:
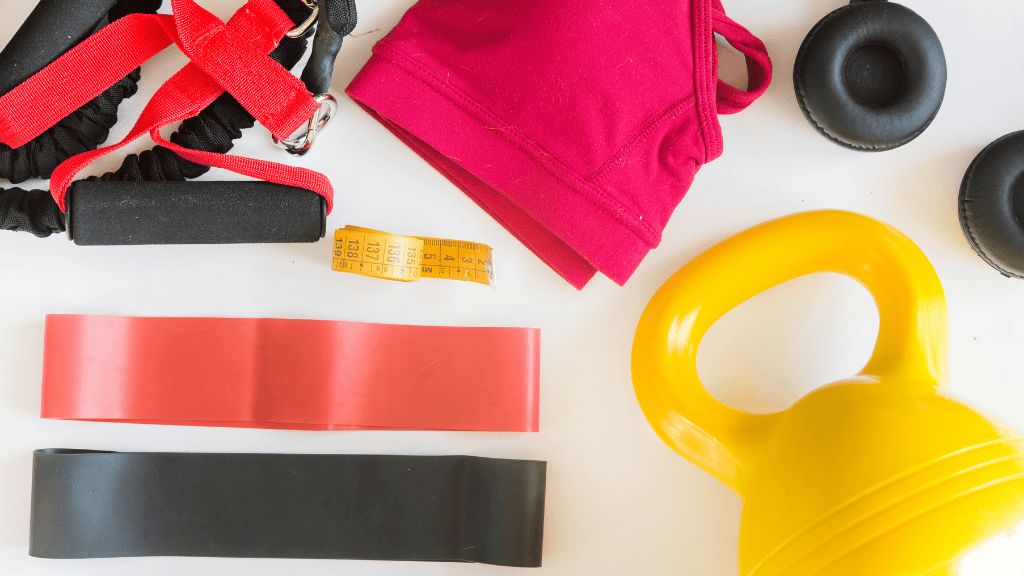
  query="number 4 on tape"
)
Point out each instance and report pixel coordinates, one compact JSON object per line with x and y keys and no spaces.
{"x":408,"y":258}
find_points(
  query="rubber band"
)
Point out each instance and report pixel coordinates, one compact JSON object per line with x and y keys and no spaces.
{"x":93,"y":504}
{"x":290,"y":374}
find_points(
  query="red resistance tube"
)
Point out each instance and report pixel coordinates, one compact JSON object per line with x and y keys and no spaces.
{"x":290,"y":374}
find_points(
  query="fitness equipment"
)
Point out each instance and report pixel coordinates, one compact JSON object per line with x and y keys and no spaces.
{"x":290,"y":374}
{"x":99,"y":504}
{"x":51,"y":29}
{"x":991,"y":205}
{"x":883,"y":473}
{"x":870,"y":75}
{"x":178,"y":212}
{"x":123,"y":211}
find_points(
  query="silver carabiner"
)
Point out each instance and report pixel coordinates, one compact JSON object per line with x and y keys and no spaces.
{"x":305,"y":26}
{"x":301,"y":143}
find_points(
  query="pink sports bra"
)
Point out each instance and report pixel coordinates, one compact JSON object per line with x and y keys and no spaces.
{"x":578,"y":125}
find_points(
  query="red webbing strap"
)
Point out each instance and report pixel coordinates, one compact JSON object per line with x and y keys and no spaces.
{"x":290,"y":374}
{"x":255,"y":168}
{"x":235,"y":57}
{"x":61,"y":88}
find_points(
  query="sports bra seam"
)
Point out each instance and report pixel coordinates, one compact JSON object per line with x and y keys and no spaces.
{"x":610,"y":206}
{"x":704,"y":39}
{"x":642,"y":136}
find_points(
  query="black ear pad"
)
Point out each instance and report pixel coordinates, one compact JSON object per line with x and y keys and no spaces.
{"x":871,"y":75}
{"x":992,"y":204}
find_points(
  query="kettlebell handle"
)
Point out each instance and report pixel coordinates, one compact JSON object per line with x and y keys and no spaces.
{"x":911,"y":350}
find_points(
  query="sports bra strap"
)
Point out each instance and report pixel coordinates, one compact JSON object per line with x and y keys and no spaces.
{"x":759,"y":65}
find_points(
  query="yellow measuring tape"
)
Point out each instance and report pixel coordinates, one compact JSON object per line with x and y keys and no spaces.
{"x":409,"y":258}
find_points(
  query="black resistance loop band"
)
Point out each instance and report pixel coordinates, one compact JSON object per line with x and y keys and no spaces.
{"x":212,"y":130}
{"x":93,"y":504}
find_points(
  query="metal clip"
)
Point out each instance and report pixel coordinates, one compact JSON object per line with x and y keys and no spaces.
{"x":299,"y":145}
{"x":305,"y":26}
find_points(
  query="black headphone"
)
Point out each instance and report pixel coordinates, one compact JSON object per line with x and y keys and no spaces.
{"x":870,"y":75}
{"x":992,"y":204}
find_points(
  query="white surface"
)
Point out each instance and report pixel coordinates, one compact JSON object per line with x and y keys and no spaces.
{"x":618,"y":500}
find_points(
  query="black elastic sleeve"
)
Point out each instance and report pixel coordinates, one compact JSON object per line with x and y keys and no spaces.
{"x":81,"y":131}
{"x":53,"y":28}
{"x":30,"y":210}
{"x":32,"y":49}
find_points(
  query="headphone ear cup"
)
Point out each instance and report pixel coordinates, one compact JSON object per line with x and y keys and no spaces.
{"x":991,"y":204}
{"x":870,"y":75}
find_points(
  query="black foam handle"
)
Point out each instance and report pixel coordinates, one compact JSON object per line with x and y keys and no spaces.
{"x":94,"y":504}
{"x":53,"y":28}
{"x":171,"y":212}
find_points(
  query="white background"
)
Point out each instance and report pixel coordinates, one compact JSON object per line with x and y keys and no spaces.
{"x":618,"y":500}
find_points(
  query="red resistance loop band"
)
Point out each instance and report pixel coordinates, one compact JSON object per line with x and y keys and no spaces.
{"x":290,"y":374}
{"x":231,"y":57}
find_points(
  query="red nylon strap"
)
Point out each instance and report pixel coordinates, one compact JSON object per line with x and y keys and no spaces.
{"x":61,"y":88}
{"x":290,"y":374}
{"x":235,"y":57}
{"x":260,"y":169}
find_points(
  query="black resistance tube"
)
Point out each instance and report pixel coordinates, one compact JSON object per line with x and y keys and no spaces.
{"x":53,"y":28}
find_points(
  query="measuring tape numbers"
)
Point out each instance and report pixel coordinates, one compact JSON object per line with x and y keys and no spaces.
{"x":408,"y":258}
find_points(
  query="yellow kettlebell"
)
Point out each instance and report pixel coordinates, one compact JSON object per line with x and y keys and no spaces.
{"x":881,"y":474}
